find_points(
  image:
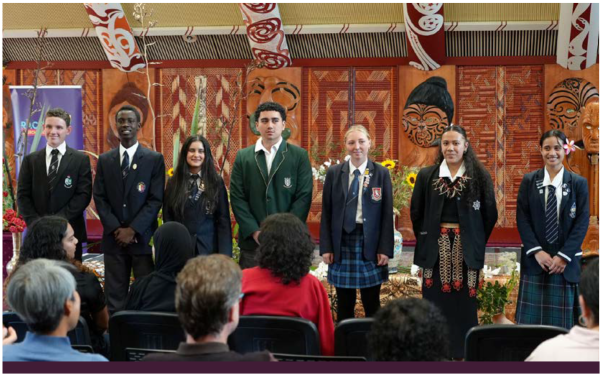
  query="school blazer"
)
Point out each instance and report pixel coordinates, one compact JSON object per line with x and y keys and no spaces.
{"x":476,"y":220}
{"x":70,"y":196}
{"x":573,"y":222}
{"x":377,"y":210}
{"x":135,"y":204}
{"x":255,"y":194}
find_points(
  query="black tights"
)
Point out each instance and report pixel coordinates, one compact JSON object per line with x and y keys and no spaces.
{"x":347,"y":299}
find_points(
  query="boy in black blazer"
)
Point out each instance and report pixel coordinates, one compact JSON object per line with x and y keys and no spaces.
{"x":128,"y":192}
{"x":61,"y":177}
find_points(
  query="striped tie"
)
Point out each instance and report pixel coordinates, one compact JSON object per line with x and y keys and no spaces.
{"x":125,"y":165}
{"x":53,"y":170}
{"x":551,"y":216}
{"x":351,"y":204}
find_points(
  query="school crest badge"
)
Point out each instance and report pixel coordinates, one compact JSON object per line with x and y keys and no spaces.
{"x":573,"y":212}
{"x":376,"y":194}
{"x":141,"y":187}
{"x":68,"y":182}
{"x":287,"y":182}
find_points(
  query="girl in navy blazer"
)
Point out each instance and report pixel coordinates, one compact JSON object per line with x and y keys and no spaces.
{"x":453,"y":211}
{"x":196,"y":197}
{"x":357,"y":233}
{"x":552,"y":218}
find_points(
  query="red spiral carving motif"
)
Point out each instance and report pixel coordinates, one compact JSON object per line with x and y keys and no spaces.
{"x":261,"y":7}
{"x":273,"y":60}
{"x":264,"y":31}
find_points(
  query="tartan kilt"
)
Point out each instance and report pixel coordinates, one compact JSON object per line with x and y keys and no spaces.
{"x":353,"y":271}
{"x":546,"y":299}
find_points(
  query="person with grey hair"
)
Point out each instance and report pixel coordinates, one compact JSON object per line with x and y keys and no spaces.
{"x":207,"y":299}
{"x":42,"y":293}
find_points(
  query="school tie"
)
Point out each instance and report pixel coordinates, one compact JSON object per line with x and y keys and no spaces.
{"x":53,"y":171}
{"x":194,"y":189}
{"x":351,"y":204}
{"x":125,"y":165}
{"x":551,"y":216}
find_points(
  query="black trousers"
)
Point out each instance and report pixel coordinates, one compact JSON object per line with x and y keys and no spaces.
{"x":117,"y":271}
{"x":248,"y":259}
{"x":347,"y":300}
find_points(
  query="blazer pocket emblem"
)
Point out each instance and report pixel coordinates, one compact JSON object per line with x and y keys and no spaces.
{"x":573,"y":212}
{"x":141,"y":187}
{"x":68,"y":182}
{"x":287,"y":182}
{"x":376,"y":194}
{"x":476,"y":205}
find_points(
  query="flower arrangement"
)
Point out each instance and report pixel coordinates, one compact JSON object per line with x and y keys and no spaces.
{"x":403,"y":183}
{"x":13,"y":222}
{"x":493,"y":298}
{"x":320,"y":172}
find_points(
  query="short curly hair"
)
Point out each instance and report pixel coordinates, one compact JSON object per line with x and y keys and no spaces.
{"x":409,"y":329}
{"x":270,"y":106}
{"x":286,"y":248}
{"x":44,"y":240}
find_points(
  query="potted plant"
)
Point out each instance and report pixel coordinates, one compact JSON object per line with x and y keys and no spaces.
{"x":492,"y":299}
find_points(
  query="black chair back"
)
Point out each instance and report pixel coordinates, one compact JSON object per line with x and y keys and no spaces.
{"x":135,"y":329}
{"x":79,"y":336}
{"x":304,"y":358}
{"x":276,"y":334}
{"x":137,"y":354}
{"x":351,"y":337}
{"x":506,"y":342}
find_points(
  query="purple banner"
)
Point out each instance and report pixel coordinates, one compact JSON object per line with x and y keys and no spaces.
{"x":47,"y":97}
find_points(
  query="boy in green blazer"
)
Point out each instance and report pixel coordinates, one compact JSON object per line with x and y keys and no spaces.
{"x":269,"y":177}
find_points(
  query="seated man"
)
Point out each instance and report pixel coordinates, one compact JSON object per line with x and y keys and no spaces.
{"x":207,"y":299}
{"x":409,"y":330}
{"x":42,"y":293}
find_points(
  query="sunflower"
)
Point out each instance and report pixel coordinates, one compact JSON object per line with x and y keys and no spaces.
{"x":411,"y":179}
{"x":389,"y":164}
{"x":170,"y":172}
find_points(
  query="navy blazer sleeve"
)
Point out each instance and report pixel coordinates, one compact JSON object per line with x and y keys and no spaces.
{"x":582,"y":219}
{"x":147,"y":215}
{"x":325,"y":243}
{"x":386,"y":236}
{"x":83,"y":191}
{"x":524,"y":218}
{"x":489,"y":210}
{"x":110,"y":222}
{"x":223,"y":222}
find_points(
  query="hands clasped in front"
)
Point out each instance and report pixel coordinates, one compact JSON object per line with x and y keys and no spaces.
{"x":553,"y":265}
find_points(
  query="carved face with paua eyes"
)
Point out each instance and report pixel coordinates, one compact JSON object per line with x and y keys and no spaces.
{"x":424,"y":123}
{"x":566,"y":103}
{"x":589,"y":127}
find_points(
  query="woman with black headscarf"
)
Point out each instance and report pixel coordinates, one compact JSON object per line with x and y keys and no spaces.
{"x":156,"y":291}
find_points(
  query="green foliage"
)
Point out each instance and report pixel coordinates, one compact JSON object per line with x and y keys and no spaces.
{"x":236,"y":247}
{"x":492,"y":298}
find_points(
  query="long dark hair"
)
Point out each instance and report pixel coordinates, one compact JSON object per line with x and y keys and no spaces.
{"x":473,"y":168}
{"x":553,"y":133}
{"x":44,"y":240}
{"x":176,"y":193}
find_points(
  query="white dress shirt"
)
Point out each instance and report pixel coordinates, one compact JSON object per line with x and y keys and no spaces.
{"x":269,"y":153}
{"x":445,"y":171}
{"x":130,"y":151}
{"x":61,"y":152}
{"x":361,"y":181}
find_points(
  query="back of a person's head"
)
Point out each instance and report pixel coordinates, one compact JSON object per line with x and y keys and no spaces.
{"x":38,"y":292}
{"x":207,"y":288}
{"x":409,"y":330}
{"x":285,"y":248}
{"x":588,"y":287}
{"x":44,"y":240}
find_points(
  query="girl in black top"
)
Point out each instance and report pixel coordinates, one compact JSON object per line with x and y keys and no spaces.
{"x":196,"y":197}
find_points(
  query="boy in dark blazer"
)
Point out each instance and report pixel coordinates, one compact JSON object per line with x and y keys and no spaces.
{"x":269,"y":177}
{"x":61,"y":177}
{"x":128,"y":192}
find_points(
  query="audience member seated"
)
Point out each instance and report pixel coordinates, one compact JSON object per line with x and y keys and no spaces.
{"x":52,"y":238}
{"x":581,"y":343}
{"x":409,"y":330}
{"x":207,"y":299}
{"x":280,"y":285}
{"x":42,"y":293}
{"x":156,"y":291}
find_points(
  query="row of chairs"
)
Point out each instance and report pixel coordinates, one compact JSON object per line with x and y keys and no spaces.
{"x":134,"y":334}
